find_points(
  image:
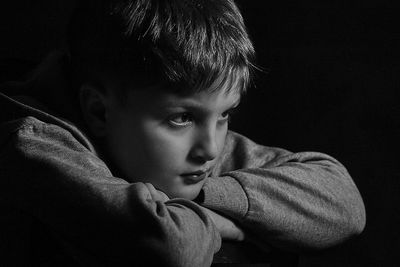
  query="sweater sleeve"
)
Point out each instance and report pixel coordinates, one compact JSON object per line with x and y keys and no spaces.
{"x":46,"y":173}
{"x":295,"y":201}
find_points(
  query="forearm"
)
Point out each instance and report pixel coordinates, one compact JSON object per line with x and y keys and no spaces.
{"x":73,"y":193}
{"x":126,"y":225}
{"x":227,"y":228}
{"x":289,"y":200}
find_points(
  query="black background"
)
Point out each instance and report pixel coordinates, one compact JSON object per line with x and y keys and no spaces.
{"x":330,"y":83}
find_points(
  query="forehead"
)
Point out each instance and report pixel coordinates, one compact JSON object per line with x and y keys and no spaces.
{"x":156,"y":98}
{"x":202,"y":100}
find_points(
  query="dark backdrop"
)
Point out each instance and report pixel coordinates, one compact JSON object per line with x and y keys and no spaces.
{"x":330,"y":83}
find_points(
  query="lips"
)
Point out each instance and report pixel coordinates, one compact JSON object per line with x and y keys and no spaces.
{"x":194,"y":177}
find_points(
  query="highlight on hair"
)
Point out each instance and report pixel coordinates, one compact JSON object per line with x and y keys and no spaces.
{"x":185,"y":45}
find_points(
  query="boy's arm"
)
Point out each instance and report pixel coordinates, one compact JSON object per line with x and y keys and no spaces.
{"x":288,"y":200}
{"x":227,"y":228}
{"x":46,"y":173}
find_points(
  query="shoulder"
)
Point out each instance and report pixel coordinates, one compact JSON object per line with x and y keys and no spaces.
{"x":241,"y":148}
{"x":240,"y":151}
{"x":32,"y":134}
{"x":239,"y":144}
{"x":41,"y":146}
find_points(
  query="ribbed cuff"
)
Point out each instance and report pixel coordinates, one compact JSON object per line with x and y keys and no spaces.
{"x":226,"y":195}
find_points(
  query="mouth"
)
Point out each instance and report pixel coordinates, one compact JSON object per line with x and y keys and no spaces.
{"x":195,"y":177}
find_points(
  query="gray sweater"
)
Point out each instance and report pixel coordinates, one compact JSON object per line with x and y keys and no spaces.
{"x":51,"y":173}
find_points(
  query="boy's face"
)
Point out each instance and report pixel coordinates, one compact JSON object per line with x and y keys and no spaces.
{"x":168,"y":140}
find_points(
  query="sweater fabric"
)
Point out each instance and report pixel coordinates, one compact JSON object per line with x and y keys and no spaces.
{"x":53,"y":181}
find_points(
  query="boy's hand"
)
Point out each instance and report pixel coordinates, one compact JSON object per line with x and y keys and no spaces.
{"x":227,"y":228}
{"x":155,"y":194}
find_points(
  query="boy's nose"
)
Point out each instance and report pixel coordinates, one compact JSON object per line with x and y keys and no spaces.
{"x":205,"y":147}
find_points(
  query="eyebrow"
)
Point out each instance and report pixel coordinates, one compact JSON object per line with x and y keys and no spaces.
{"x":187,"y":103}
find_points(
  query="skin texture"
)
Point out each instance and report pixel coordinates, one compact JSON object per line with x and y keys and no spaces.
{"x":160,"y":137}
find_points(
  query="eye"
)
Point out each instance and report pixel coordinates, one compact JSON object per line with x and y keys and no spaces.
{"x":226,"y":116}
{"x":181,"y":119}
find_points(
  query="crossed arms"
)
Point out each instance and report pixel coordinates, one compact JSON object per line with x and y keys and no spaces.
{"x":267,"y":195}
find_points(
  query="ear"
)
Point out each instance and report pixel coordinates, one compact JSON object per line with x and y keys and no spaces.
{"x":94,"y":107}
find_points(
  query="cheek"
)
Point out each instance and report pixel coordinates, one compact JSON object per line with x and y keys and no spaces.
{"x":163,"y":148}
{"x":221,"y":135}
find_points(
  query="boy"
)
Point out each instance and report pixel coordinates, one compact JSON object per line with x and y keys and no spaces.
{"x":147,"y":172}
